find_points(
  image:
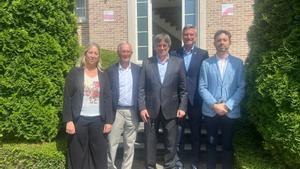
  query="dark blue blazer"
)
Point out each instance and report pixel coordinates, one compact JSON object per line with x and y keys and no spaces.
{"x":192,"y":75}
{"x":73,"y":96}
{"x":113,"y":72}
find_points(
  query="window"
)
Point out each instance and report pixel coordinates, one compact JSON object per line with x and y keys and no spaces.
{"x":190,"y":12}
{"x":81,"y":10}
{"x":142,"y":28}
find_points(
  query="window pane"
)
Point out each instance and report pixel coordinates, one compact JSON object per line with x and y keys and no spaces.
{"x":190,"y":19}
{"x":80,"y":3}
{"x":143,"y":53}
{"x":143,"y":39}
{"x":80,"y":8}
{"x":190,"y":6}
{"x":142,"y":24}
{"x":142,"y":9}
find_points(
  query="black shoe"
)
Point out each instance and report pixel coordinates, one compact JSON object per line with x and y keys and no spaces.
{"x":193,"y":166}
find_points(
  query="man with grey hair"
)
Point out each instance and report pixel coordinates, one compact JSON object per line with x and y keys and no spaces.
{"x":124,"y":77}
{"x":162,"y":99}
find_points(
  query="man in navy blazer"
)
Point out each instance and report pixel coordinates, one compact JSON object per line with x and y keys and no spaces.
{"x":162,"y":99}
{"x":222,"y":87}
{"x":124,"y":79}
{"x":193,"y":57}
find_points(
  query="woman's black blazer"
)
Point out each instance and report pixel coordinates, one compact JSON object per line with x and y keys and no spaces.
{"x":73,"y":96}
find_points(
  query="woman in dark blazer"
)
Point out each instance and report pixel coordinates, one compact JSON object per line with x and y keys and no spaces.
{"x":87,"y":112}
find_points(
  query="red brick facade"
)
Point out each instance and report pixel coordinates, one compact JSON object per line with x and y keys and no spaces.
{"x":106,"y":33}
{"x":238,"y":24}
{"x":109,"y":33}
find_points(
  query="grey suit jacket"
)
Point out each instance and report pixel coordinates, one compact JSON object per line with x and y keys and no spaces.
{"x":168,"y":96}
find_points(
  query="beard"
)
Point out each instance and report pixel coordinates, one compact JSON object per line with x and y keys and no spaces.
{"x":222,"y":49}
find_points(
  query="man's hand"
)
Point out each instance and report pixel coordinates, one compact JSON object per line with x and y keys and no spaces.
{"x":70,"y":127}
{"x":180,"y":113}
{"x":107,"y":128}
{"x":144,"y":115}
{"x":220,"y":108}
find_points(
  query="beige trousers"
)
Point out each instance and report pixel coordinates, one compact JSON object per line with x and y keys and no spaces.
{"x":124,"y":129}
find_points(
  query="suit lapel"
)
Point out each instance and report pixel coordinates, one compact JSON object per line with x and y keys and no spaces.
{"x":134,"y":79}
{"x":155,"y":68}
{"x":217,"y":69}
{"x":193,"y":63}
{"x":81,"y":80}
{"x":227,"y":69}
{"x":169,"y":69}
{"x":116,"y":76}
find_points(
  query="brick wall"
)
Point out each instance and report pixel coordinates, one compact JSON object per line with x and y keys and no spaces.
{"x":109,"y":34}
{"x":106,"y":34}
{"x":238,"y":24}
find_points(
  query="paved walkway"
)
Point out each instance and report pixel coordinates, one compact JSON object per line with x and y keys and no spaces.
{"x":138,"y":162}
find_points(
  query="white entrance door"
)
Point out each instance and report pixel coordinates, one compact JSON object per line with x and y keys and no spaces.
{"x":156,"y":16}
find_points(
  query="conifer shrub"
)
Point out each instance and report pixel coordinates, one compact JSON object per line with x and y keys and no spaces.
{"x":38,"y":45}
{"x":273,"y":74}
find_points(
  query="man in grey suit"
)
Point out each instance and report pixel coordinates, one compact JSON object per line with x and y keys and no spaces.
{"x":124,"y":77}
{"x":162,"y":99}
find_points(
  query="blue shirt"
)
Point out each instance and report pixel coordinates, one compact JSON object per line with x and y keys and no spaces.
{"x":125,"y":86}
{"x":187,"y":56}
{"x":162,"y":68}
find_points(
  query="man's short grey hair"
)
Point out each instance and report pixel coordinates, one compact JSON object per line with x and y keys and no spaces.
{"x":123,"y":43}
{"x":162,"y":37}
{"x":189,"y":26}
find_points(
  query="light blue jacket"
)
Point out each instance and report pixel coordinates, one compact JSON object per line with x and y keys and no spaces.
{"x":230,"y":90}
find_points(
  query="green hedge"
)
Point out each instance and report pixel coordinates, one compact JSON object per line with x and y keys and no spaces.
{"x":33,"y":156}
{"x":108,"y":58}
{"x":273,"y":74}
{"x":249,"y":153}
{"x":38,"y":45}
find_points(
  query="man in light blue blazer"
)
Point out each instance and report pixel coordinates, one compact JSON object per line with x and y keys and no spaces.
{"x":222,"y":87}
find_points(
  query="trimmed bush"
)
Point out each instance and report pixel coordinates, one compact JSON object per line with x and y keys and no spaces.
{"x":38,"y":45}
{"x":249,"y":153}
{"x":32,"y":156}
{"x":108,"y":58}
{"x":273,"y":73}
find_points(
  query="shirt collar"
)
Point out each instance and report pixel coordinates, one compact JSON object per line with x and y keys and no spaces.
{"x":163,"y":62}
{"x":128,"y":68}
{"x":185,"y":51}
{"x":218,"y":58}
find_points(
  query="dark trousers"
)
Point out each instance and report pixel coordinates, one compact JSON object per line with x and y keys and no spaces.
{"x":226,"y":125}
{"x":194,"y":123}
{"x":88,"y":146}
{"x":170,"y":135}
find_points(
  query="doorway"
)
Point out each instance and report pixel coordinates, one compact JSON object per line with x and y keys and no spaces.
{"x":161,"y":16}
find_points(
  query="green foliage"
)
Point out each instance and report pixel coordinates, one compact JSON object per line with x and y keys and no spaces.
{"x":108,"y":58}
{"x":273,"y":73}
{"x":249,"y":153}
{"x":38,"y":45}
{"x":32,"y":156}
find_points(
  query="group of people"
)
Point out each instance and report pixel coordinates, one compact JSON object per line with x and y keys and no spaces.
{"x":171,"y":90}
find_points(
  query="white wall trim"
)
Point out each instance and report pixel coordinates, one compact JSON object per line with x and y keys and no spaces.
{"x":132,"y":30}
{"x":201,"y":13}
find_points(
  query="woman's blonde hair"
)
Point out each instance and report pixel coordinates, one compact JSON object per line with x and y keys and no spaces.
{"x":81,"y":60}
